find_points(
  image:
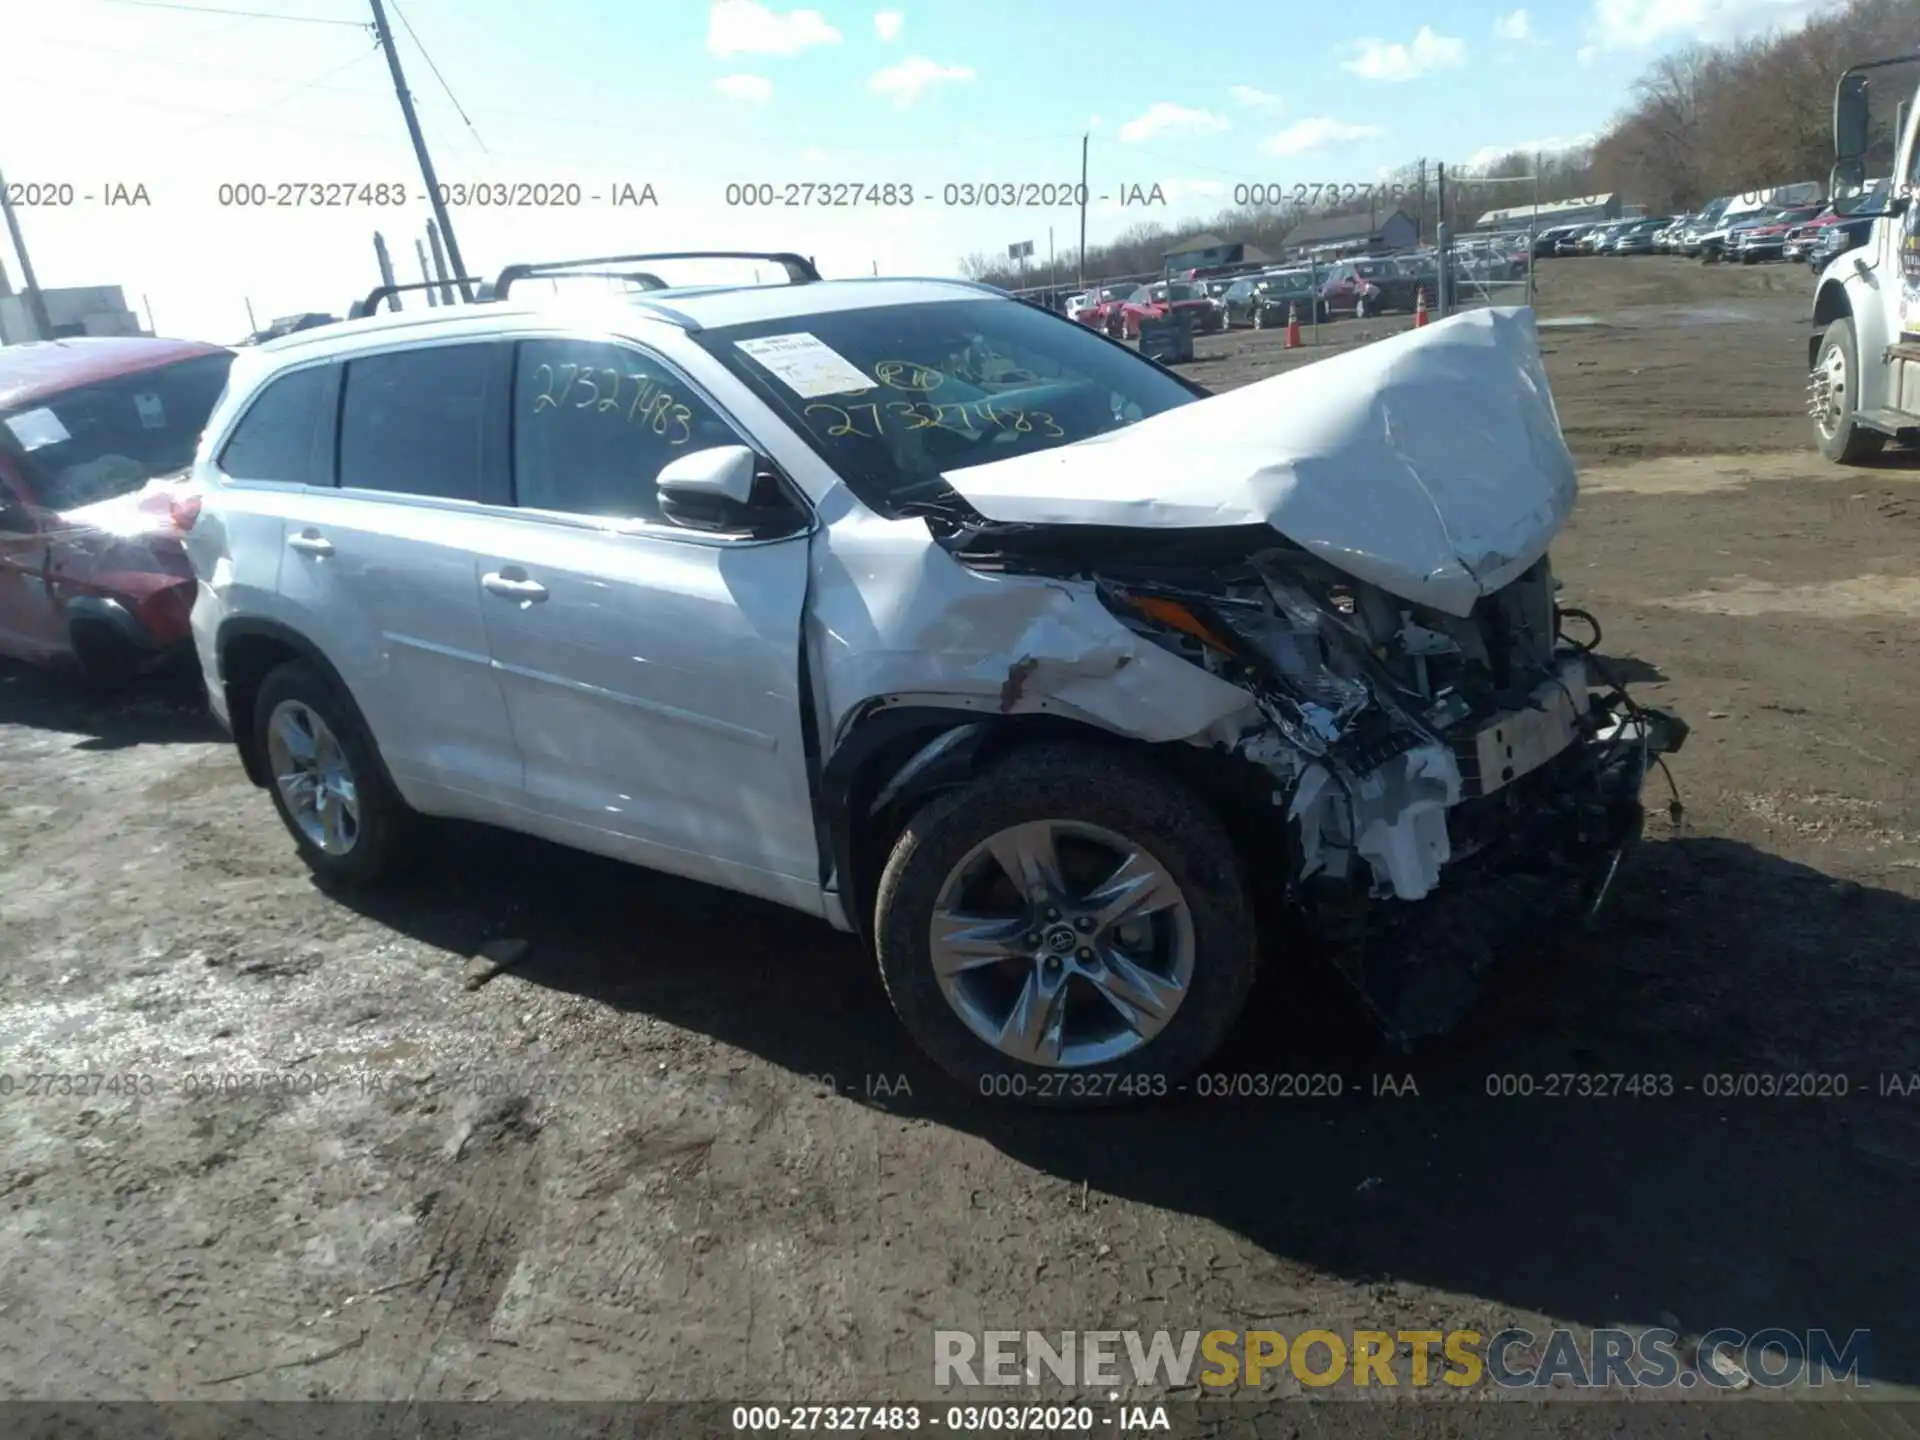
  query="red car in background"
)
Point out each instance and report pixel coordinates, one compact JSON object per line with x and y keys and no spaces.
{"x":1106,"y":300}
{"x":1121,"y":319}
{"x":96,"y":435}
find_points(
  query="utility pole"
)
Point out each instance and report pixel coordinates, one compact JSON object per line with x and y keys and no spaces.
{"x":1085,"y":136}
{"x":1420,"y":227}
{"x":36,"y":302}
{"x":386,"y":267}
{"x":426,"y":271}
{"x":440,"y":264}
{"x":420,"y":147}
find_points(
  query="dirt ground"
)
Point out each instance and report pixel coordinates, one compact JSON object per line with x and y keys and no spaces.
{"x":681,"y":1149}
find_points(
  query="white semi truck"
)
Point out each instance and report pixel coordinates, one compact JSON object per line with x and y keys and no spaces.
{"x":1865,"y":349}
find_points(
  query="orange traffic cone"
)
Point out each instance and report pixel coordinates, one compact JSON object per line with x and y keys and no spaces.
{"x":1293,"y":328}
{"x":1419,"y":307}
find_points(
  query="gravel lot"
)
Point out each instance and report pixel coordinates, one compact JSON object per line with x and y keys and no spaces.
{"x":681,"y":1150}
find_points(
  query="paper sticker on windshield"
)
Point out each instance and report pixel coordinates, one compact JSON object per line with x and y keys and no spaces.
{"x":153,"y":415}
{"x":806,"y":366}
{"x":35,"y":428}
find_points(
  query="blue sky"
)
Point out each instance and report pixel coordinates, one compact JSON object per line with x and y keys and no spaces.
{"x":689,"y":96}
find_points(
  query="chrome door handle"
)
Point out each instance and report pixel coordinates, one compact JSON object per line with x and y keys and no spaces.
{"x":530,"y":591}
{"x":311,"y":543}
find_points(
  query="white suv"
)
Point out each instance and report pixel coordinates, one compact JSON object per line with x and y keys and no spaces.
{"x":806,"y":591}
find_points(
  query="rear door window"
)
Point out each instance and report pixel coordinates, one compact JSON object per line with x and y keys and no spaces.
{"x":422,"y":422}
{"x":283,"y":435}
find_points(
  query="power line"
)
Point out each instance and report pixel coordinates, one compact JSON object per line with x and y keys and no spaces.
{"x":438,"y":76}
{"x":222,"y":10}
{"x":317,"y":82}
{"x":223,"y":68}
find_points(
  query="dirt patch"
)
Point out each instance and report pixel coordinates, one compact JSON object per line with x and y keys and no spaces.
{"x":1853,"y":599}
{"x":680,"y":1149}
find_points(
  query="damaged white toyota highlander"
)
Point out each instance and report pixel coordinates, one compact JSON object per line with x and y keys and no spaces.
{"x":1074,"y":691}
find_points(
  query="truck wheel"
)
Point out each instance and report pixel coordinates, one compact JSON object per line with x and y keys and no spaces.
{"x":1835,"y":393}
{"x":1071,"y":928}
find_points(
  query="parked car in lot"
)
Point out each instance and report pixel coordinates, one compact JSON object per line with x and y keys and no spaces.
{"x":1288,"y":294}
{"x":1248,"y":294}
{"x":1835,"y":240}
{"x":94,"y":436}
{"x":1639,"y":238}
{"x":1723,"y":241}
{"x":1767,"y":240}
{"x":1182,"y":297}
{"x":1365,"y":287}
{"x":1571,"y":243}
{"x":1100,"y":302}
{"x":806,"y":592}
{"x":1548,"y":240}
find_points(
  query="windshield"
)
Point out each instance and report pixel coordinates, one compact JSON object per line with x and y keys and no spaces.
{"x":99,"y":441}
{"x":1178,"y":291}
{"x":952,"y":384}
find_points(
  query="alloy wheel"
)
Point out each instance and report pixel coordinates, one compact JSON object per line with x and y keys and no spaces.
{"x":314,"y":777}
{"x":1062,"y":944}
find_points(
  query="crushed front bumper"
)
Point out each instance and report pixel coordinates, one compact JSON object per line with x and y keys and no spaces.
{"x":1533,"y":860}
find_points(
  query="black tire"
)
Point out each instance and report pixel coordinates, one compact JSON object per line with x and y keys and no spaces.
{"x":1849,"y":444}
{"x":108,"y":664}
{"x":384,"y":818}
{"x":1122,"y":794}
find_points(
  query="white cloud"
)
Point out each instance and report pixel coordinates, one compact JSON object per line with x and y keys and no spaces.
{"x":1392,"y":61}
{"x":1317,"y":133}
{"x":887,"y":23}
{"x":1165,"y":118}
{"x":1513,"y":27}
{"x":1645,"y":24}
{"x":1550,"y":145}
{"x":750,"y":89}
{"x":745,"y":27}
{"x":1255,"y":99}
{"x":914,"y":76}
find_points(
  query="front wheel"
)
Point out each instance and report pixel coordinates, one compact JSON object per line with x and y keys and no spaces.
{"x":1834,"y":398}
{"x":1071,"y":928}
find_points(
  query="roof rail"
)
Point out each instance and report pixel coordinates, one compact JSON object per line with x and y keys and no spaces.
{"x":360,"y":309}
{"x":799,"y":268}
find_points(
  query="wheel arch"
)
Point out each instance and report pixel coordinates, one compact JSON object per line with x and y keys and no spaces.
{"x":250,"y":649}
{"x":892,"y":760}
{"x":1830,"y":303}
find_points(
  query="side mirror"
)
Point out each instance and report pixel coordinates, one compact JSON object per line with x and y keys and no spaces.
{"x":726,"y":490}
{"x":1850,"y":119}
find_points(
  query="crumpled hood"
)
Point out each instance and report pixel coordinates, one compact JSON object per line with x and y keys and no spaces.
{"x":1430,"y":464}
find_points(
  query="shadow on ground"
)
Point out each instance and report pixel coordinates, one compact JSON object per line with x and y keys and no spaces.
{"x":155,"y":710}
{"x":1718,"y":960}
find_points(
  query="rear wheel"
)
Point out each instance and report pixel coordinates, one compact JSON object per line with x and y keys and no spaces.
{"x":1834,"y":398}
{"x":326,"y":780}
{"x":1071,"y":928}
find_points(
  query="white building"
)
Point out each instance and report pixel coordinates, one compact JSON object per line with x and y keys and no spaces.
{"x":74,"y":310}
